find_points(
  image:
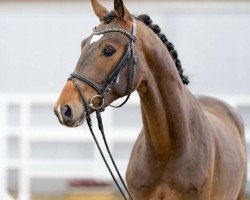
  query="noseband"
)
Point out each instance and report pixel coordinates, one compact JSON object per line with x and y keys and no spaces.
{"x":129,"y":57}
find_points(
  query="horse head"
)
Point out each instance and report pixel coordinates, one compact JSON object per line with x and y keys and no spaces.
{"x":107,"y":68}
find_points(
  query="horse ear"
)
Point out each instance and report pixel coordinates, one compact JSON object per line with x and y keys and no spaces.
{"x":121,"y":11}
{"x":99,"y":10}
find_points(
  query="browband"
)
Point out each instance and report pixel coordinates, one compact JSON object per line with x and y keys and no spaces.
{"x":107,"y":30}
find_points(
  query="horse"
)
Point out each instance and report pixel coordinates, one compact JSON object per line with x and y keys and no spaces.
{"x":189,"y":148}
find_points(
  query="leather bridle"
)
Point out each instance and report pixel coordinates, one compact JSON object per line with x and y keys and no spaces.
{"x":129,"y":57}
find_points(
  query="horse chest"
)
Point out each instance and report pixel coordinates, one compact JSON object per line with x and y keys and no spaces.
{"x":155,"y":181}
{"x":148,"y":182}
{"x":145,"y":185}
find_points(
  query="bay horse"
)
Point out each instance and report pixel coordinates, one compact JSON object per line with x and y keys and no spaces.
{"x":190,"y":148}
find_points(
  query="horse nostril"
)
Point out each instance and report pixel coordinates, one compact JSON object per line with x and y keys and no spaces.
{"x":66,"y":113}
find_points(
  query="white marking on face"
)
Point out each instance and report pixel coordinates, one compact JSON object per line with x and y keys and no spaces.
{"x":95,"y":38}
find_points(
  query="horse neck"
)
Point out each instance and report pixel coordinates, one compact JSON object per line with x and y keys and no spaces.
{"x":164,"y":101}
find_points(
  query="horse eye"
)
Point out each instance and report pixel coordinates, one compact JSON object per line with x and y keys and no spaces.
{"x":108,"y":52}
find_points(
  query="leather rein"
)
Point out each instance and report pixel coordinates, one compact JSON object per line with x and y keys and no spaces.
{"x":128,"y":56}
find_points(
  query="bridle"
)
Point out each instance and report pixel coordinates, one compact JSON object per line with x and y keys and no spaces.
{"x":129,"y":57}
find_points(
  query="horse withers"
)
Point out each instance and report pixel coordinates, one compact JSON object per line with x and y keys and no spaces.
{"x":189,"y":148}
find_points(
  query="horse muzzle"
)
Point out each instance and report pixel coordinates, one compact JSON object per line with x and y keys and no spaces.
{"x":69,"y":116}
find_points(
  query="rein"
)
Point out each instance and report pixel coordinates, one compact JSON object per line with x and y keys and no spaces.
{"x":128,"y":56}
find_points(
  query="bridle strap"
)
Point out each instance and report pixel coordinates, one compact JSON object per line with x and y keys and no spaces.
{"x":86,"y":80}
{"x":101,"y":128}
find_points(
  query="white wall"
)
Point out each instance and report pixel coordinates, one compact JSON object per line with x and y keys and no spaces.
{"x":40,"y":42}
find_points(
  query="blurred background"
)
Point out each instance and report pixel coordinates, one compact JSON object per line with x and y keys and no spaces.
{"x":39,"y":47}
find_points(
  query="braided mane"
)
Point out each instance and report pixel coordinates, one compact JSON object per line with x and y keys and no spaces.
{"x":157,"y":30}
